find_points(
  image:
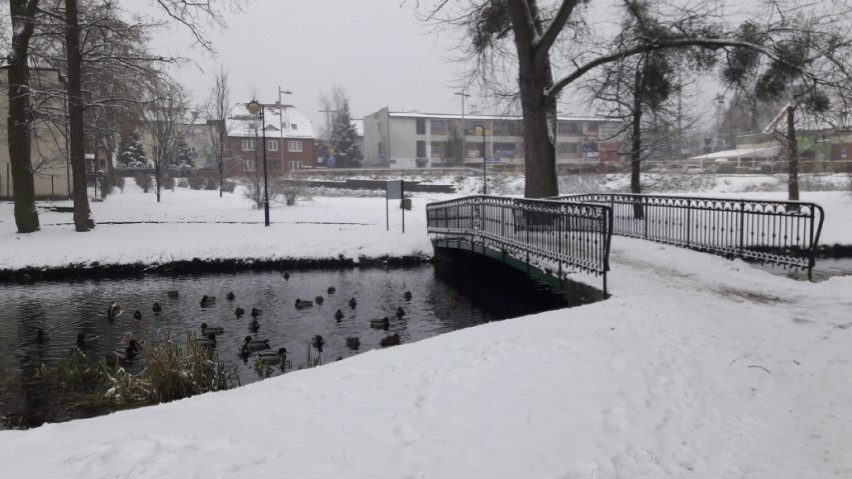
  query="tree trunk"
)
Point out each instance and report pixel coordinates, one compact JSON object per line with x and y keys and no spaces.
{"x":18,"y":123}
{"x":636,"y":146}
{"x":82,"y":214}
{"x":792,"y":157}
{"x":540,"y":126}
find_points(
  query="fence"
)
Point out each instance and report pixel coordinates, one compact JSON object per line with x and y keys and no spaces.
{"x":783,"y":233}
{"x":551,"y":235}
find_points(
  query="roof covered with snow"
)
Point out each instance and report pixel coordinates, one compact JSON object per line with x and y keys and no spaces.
{"x":767,"y":152}
{"x":473,"y":117}
{"x":287,"y":118}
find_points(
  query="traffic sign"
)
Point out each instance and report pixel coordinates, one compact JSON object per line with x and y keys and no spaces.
{"x":331,"y":161}
{"x":587,"y":148}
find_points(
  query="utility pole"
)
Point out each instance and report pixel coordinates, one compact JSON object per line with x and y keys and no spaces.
{"x":462,"y":94}
{"x":281,"y":123}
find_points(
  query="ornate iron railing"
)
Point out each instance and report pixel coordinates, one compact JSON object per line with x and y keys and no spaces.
{"x":554,"y":236}
{"x":782,"y":233}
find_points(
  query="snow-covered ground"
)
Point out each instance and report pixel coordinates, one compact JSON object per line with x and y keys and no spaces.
{"x":696,"y":367}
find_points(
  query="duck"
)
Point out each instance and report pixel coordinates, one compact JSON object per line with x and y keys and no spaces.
{"x":393,"y":340}
{"x":137,"y":315}
{"x":400,"y":312}
{"x":302,"y":303}
{"x":273,"y":356}
{"x":383,"y":323}
{"x":41,"y":337}
{"x":230,"y":296}
{"x":173,"y":294}
{"x":319,"y":299}
{"x":239,"y":312}
{"x":207,"y":341}
{"x":353,"y":303}
{"x":254,"y":326}
{"x":157,"y":308}
{"x":256,"y":312}
{"x":331,"y":290}
{"x":114,"y":310}
{"x":406,"y":295}
{"x":255,"y":344}
{"x":318,"y":342}
{"x":205,"y":330}
{"x":338,"y":315}
{"x":286,"y":276}
{"x":120,"y":356}
{"x":353,"y":343}
{"x":207,"y":300}
{"x":84,"y":338}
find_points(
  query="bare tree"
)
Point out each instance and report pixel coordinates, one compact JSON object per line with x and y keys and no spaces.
{"x":536,"y":31}
{"x":218,"y":110}
{"x":23,"y":17}
{"x":167,"y":118}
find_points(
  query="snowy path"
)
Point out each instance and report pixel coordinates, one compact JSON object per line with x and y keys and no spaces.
{"x":696,"y":367}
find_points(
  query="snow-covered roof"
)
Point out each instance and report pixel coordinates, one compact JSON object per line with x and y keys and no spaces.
{"x":454,"y":116}
{"x":288,"y":118}
{"x":766,"y":152}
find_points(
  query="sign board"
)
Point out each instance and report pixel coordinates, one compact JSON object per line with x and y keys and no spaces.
{"x":587,"y":148}
{"x":394,"y":190}
{"x":843,"y":152}
{"x":330,"y":162}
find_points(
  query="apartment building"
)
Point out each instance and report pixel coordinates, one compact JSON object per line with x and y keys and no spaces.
{"x":406,"y":138}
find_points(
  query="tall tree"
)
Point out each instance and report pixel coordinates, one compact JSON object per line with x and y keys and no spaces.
{"x":131,"y":151}
{"x":219,"y":108}
{"x":535,"y":31}
{"x":19,"y":122}
{"x":344,"y":138}
{"x":167,"y":120}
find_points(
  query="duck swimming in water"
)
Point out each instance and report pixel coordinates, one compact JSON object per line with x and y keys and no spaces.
{"x":207,"y":341}
{"x":239,"y":312}
{"x":303,"y":303}
{"x":319,"y":299}
{"x":353,"y":343}
{"x":254,"y":326}
{"x":332,"y":290}
{"x":318,"y":342}
{"x":207,"y":300}
{"x":393,"y":340}
{"x":353,"y":303}
{"x":256,"y":312}
{"x":250,"y":344}
{"x":230,"y":296}
{"x":383,"y":323}
{"x":400,"y":312}
{"x":137,"y":315}
{"x":205,"y":330}
{"x":114,"y":310}
{"x":157,"y":308}
{"x":121,"y":356}
{"x":273,"y":356}
{"x":407,"y":295}
{"x":338,"y":315}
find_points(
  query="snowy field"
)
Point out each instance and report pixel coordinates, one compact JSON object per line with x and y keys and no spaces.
{"x":696,"y":367}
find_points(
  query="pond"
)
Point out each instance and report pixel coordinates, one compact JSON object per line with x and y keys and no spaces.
{"x":443,"y":298}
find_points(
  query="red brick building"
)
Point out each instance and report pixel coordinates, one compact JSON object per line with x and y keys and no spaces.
{"x":289,"y":142}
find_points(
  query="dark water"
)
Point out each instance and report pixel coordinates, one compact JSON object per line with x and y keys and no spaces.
{"x":443,"y":299}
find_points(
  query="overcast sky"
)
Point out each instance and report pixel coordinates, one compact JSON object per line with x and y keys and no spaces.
{"x":375,"y":49}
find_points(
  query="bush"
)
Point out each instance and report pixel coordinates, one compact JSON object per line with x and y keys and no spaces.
{"x":144,"y":181}
{"x":168,"y":183}
{"x":184,"y":183}
{"x":228,"y":186}
{"x":293,"y":190}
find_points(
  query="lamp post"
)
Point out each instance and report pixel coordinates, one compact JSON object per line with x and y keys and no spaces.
{"x":281,"y":122}
{"x":462,"y":94}
{"x":482,"y":131}
{"x":256,"y":108}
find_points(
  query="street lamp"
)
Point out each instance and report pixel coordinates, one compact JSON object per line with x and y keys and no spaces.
{"x":462,"y":94}
{"x":256,"y":108}
{"x":281,"y":122}
{"x":482,"y":131}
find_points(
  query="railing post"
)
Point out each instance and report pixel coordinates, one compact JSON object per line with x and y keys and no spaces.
{"x":742,"y":227}
{"x":688,"y":223}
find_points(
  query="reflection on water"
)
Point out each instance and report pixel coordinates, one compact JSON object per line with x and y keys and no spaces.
{"x":442,"y":299}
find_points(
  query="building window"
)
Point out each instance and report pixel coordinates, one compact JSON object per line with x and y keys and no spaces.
{"x":295,"y":165}
{"x":506,"y":128}
{"x":271,"y":145}
{"x":250,"y":165}
{"x":421,"y":126}
{"x":294,"y":145}
{"x":248,"y":145}
{"x":294,"y":126}
{"x":569,"y":128}
{"x":505,"y":150}
{"x":567,"y":149}
{"x":440,"y":127}
{"x":421,"y":149}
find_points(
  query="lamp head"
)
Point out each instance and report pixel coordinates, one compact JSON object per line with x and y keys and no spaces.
{"x":253,"y":107}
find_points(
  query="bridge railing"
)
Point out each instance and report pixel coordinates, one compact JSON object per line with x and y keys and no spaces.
{"x":783,"y":233}
{"x":554,"y":236}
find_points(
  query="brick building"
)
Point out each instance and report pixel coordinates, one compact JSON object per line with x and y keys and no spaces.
{"x":289,"y":142}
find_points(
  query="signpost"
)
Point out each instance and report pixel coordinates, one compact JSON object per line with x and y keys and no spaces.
{"x":394,"y":190}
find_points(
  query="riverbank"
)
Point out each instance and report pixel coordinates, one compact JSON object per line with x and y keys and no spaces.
{"x":696,"y":366}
